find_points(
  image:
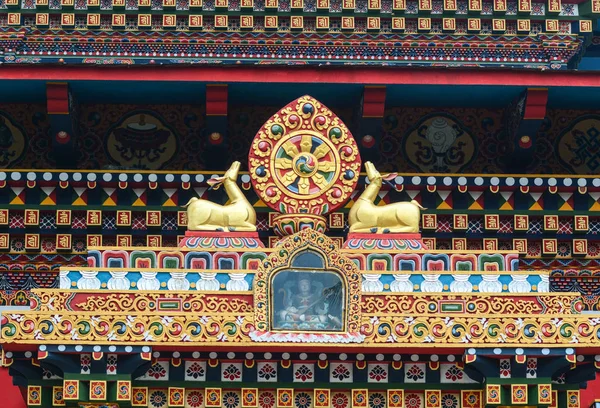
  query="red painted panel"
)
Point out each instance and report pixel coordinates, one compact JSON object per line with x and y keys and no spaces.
{"x":58,"y":98}
{"x":373,"y":102}
{"x":535,"y":107}
{"x":216,"y":100}
{"x":11,"y":395}
{"x":591,"y":393}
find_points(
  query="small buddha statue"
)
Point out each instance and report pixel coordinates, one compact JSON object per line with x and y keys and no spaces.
{"x":305,"y":305}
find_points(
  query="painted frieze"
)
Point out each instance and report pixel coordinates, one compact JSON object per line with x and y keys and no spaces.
{"x":373,"y":319}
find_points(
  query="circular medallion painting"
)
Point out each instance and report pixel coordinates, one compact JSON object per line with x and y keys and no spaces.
{"x":141,"y":141}
{"x":439,"y":144}
{"x":304,"y":159}
{"x":578,"y":145}
{"x":12,"y":142}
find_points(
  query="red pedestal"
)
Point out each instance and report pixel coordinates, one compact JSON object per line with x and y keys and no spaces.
{"x":221,"y":234}
{"x":221,"y":240}
{"x":398,"y":241}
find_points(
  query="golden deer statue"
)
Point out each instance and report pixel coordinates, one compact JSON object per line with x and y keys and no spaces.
{"x":238,"y":215}
{"x":365,"y":216}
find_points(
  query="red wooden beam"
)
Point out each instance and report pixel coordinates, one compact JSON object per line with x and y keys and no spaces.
{"x":310,"y":74}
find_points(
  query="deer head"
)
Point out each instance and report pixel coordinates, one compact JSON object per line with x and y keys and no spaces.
{"x":375,"y":177}
{"x":230,"y":175}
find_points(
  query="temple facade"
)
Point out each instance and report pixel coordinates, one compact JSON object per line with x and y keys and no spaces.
{"x":299,"y":204}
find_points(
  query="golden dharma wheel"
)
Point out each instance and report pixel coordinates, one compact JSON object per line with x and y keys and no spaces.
{"x":304,"y":160}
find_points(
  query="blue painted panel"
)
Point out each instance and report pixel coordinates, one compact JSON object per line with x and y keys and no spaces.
{"x":332,"y":95}
{"x":22,"y":91}
{"x":445,"y":96}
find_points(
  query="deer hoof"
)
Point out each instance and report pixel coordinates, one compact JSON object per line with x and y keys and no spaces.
{"x":231,"y":229}
{"x":386,"y":231}
{"x":219,"y":229}
{"x":374,"y":230}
